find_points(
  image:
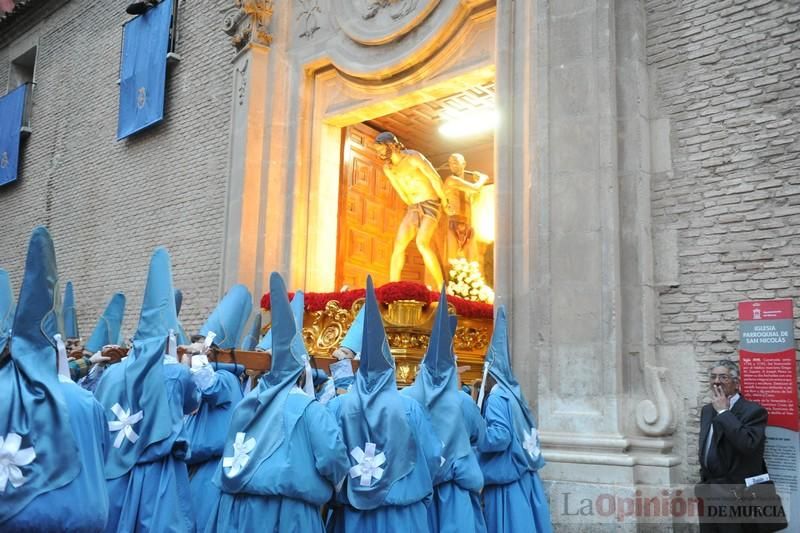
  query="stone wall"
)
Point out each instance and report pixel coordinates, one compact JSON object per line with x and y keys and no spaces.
{"x":726,"y":76}
{"x":108,"y":203}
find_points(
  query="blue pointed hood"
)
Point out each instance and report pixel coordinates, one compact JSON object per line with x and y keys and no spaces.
{"x":69,"y":314}
{"x":439,"y":358}
{"x":374,"y":412}
{"x":498,"y":362}
{"x":141,"y":396}
{"x":158,"y":314}
{"x":297,"y":305}
{"x":229,"y":318}
{"x":178,"y":301}
{"x":287,"y":337}
{"x":377,"y":365}
{"x":36,"y":320}
{"x":436,"y":387}
{"x":352,"y":339}
{"x":6,"y":309}
{"x":250,"y":340}
{"x":109,"y":325}
{"x":35,"y":418}
{"x":259,"y":420}
{"x":158,"y":306}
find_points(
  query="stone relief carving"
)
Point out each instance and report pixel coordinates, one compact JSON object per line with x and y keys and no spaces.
{"x":307,"y":17}
{"x":247,"y":21}
{"x":376,"y":22}
{"x":241,"y":73}
{"x":404,"y":8}
{"x":655,"y":416}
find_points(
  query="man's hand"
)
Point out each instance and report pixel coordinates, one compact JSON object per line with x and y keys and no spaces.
{"x":343,"y":353}
{"x":113,"y":352}
{"x":98,"y":357}
{"x":719,"y":401}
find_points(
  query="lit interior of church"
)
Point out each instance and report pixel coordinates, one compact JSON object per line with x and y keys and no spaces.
{"x":461,"y":123}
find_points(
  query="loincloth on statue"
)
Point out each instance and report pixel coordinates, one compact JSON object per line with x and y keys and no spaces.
{"x":461,"y":229}
{"x":429,"y":208}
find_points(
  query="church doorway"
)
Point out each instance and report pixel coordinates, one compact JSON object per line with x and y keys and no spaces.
{"x":370,"y":209}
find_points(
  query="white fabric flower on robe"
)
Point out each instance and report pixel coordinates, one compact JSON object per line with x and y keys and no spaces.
{"x":11,"y":458}
{"x":240,"y":458}
{"x":531,"y":443}
{"x":369,"y":464}
{"x":124,"y":424}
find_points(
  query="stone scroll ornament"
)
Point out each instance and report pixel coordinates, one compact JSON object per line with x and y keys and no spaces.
{"x":655,"y":415}
{"x":247,"y":21}
{"x":376,"y":22}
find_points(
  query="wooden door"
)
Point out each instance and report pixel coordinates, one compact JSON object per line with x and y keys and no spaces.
{"x":369,"y":213}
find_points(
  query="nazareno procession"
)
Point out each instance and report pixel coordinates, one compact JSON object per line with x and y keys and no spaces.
{"x":155,"y":435}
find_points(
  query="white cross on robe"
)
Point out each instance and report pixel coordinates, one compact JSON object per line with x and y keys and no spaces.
{"x":240,"y":458}
{"x":124,"y":424}
{"x":531,"y":443}
{"x":369,"y":464}
{"x":11,"y":458}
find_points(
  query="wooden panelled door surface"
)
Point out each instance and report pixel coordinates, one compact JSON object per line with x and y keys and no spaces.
{"x":369,"y":213}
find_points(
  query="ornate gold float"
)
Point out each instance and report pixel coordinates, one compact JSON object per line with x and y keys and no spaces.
{"x":408,"y":325}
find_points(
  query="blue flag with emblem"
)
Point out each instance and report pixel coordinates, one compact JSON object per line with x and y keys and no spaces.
{"x":145,"y":44}
{"x":12,"y":108}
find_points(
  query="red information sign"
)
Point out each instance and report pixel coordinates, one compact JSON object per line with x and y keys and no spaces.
{"x":766,"y":310}
{"x":767,"y":359}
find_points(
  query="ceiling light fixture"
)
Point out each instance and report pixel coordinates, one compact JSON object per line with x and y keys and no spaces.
{"x":471,"y":123}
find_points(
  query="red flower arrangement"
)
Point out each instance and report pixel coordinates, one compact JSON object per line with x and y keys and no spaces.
{"x":403,"y":290}
{"x":316,"y":301}
{"x":391,"y":292}
{"x":470,"y":309}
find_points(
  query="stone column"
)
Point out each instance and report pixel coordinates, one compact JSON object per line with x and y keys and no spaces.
{"x":258,"y":203}
{"x":572,"y":283}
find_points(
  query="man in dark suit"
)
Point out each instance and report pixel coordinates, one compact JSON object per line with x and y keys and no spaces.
{"x":731,"y":451}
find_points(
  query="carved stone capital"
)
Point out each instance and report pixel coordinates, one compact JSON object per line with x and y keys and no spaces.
{"x":247,"y":21}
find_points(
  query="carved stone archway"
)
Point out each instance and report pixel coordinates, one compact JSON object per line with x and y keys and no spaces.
{"x":574,"y":261}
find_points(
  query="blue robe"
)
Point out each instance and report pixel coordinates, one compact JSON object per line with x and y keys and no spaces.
{"x":459,"y":483}
{"x":207,"y":430}
{"x":286,"y":491}
{"x":154,"y":495}
{"x":81,"y":505}
{"x":405,"y":505}
{"x":513,"y":496}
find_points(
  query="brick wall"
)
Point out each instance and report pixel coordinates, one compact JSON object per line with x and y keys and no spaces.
{"x":109,"y":203}
{"x":726,"y":73}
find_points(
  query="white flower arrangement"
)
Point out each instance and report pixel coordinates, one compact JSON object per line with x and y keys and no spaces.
{"x":466,"y":281}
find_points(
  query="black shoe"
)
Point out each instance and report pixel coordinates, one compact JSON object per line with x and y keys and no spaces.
{"x":137,"y":8}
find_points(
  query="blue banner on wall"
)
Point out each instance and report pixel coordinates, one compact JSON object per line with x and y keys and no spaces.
{"x":145,"y":44}
{"x":12,"y":109}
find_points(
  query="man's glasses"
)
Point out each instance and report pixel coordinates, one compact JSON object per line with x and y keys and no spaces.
{"x":722,"y":377}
